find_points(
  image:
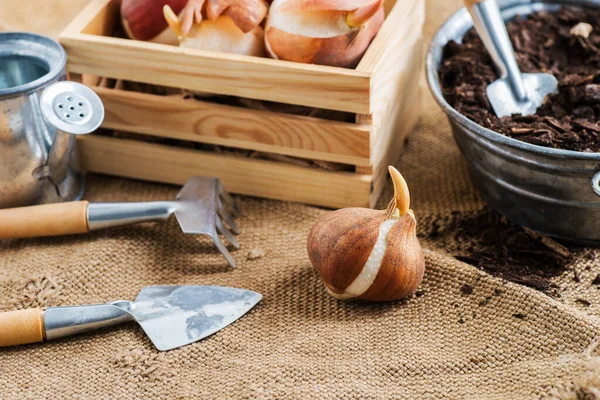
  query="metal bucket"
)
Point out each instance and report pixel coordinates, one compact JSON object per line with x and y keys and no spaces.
{"x":39,"y":117}
{"x":556,"y":192}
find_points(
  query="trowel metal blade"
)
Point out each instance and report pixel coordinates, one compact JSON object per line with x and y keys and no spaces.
{"x":174,"y":316}
{"x":537,"y":86}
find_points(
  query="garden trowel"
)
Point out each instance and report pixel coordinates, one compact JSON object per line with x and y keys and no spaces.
{"x":513,"y":92}
{"x":171,"y":316}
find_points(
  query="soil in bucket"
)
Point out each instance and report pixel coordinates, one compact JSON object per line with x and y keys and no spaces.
{"x":565,"y":44}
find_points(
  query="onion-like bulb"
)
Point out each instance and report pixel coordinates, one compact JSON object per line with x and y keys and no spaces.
{"x":369,"y":254}
{"x":326,"y":32}
{"x":143,"y":20}
{"x":227,"y":26}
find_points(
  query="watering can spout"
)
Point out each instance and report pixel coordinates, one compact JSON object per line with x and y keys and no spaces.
{"x":69,"y":109}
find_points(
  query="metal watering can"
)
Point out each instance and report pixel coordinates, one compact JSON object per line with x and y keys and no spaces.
{"x":40,"y":115}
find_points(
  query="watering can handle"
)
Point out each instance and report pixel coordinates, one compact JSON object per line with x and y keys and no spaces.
{"x":45,"y":220}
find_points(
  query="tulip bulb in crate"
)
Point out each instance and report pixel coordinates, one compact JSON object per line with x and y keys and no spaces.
{"x":228,"y":26}
{"x":325,"y":32}
{"x":144,"y":20}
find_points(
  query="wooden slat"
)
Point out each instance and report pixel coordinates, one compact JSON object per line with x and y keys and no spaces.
{"x":228,"y":74}
{"x":362,"y":119}
{"x":407,"y":119}
{"x":394,"y":61}
{"x":89,"y":80}
{"x":364,"y":170}
{"x":274,"y":180}
{"x":243,"y":76}
{"x":397,"y":86}
{"x":403,"y":17}
{"x":205,"y":122}
{"x":97,"y":18}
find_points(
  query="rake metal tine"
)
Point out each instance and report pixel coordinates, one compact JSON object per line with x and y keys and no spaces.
{"x":227,"y":233}
{"x":225,"y":214}
{"x":223,"y":249}
{"x":228,"y":200}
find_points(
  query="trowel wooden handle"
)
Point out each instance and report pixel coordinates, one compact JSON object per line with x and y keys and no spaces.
{"x":45,"y":220}
{"x":471,"y":3}
{"x":21,"y":327}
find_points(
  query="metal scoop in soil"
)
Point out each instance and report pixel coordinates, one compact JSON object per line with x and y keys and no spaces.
{"x":513,"y":92}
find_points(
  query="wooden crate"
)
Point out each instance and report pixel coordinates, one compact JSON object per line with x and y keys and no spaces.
{"x":383,"y":92}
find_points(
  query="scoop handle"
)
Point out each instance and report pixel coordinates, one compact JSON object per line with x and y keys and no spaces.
{"x":21,"y":327}
{"x":44,"y":220}
{"x":491,"y":29}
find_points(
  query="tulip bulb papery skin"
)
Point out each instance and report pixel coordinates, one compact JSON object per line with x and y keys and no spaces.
{"x":367,"y":254}
{"x":143,"y":20}
{"x":223,"y":35}
{"x":297,"y":30}
{"x":226,"y":29}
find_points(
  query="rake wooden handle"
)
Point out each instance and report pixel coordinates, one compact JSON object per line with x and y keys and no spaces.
{"x":44,"y":220}
{"x":21,"y":327}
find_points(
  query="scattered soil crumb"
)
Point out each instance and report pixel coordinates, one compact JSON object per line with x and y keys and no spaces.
{"x":576,"y":277}
{"x":490,"y":242}
{"x":583,"y":302}
{"x":596,"y":280}
{"x":435,"y":229}
{"x":519,"y":316}
{"x":255,"y":254}
{"x":420,"y":293}
{"x":466,"y":289}
{"x":461,"y":321}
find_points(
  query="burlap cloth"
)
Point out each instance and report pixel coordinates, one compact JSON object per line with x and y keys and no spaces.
{"x":298,"y":342}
